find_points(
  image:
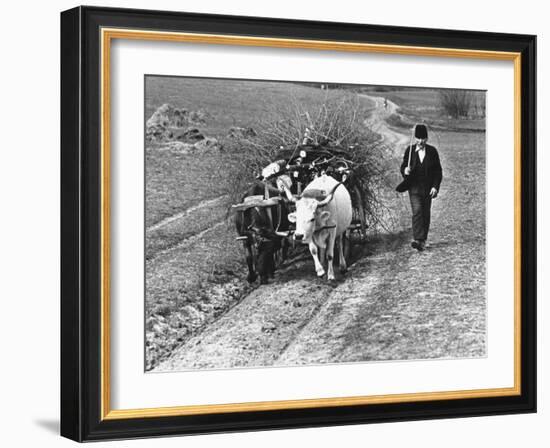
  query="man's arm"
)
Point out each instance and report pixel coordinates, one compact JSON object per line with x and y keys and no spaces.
{"x":437,"y":171}
{"x":405,"y":162}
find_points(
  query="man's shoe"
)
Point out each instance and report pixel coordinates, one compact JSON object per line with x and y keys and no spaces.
{"x":422,"y":245}
{"x":415,"y":244}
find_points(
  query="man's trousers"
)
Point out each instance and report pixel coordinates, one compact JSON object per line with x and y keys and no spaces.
{"x":421,"y":205}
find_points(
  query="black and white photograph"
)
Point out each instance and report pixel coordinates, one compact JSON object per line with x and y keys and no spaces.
{"x":296,"y":224}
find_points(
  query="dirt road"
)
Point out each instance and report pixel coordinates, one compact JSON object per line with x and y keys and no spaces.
{"x":394,"y":303}
{"x":377,"y":122}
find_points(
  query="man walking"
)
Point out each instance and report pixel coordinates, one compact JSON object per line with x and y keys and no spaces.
{"x":422,"y":169}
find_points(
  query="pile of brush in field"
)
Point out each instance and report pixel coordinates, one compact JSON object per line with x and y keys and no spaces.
{"x":339,"y":124}
{"x":176,"y":129}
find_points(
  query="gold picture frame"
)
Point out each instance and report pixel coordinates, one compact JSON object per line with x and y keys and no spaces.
{"x":108,"y":26}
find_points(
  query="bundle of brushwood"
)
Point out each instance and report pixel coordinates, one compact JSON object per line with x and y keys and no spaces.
{"x":330,"y":134}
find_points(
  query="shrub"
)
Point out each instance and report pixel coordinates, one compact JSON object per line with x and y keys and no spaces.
{"x":456,"y":103}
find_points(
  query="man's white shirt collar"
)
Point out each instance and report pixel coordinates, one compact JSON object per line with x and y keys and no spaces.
{"x":421,"y":152}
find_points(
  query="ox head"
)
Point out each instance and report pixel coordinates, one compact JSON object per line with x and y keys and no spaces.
{"x":309,"y":215}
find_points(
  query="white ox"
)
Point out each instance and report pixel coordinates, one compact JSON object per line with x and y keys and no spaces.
{"x":323,"y":214}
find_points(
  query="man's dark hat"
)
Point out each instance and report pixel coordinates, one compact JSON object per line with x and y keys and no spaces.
{"x":421,"y":131}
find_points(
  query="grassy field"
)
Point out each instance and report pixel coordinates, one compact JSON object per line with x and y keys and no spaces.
{"x":229,"y":102}
{"x":424,"y":105}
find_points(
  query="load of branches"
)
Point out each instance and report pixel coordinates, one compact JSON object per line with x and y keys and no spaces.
{"x":337,"y":124}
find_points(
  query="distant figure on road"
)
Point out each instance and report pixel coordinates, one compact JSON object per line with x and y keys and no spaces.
{"x":424,"y":173}
{"x":385,"y":103}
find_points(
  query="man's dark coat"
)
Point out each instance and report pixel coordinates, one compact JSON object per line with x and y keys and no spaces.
{"x":423,"y":175}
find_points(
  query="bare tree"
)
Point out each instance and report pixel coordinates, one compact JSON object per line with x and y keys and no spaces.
{"x":457,"y":103}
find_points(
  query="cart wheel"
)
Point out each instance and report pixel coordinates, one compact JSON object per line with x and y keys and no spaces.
{"x":346,"y":243}
{"x":277,"y":258}
{"x":359,"y":212}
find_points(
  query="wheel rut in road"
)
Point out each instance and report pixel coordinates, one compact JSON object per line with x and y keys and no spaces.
{"x":172,"y":231}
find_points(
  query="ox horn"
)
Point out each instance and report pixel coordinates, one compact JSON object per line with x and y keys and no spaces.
{"x":283,"y":234}
{"x":289,"y":194}
{"x":329,"y":196}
